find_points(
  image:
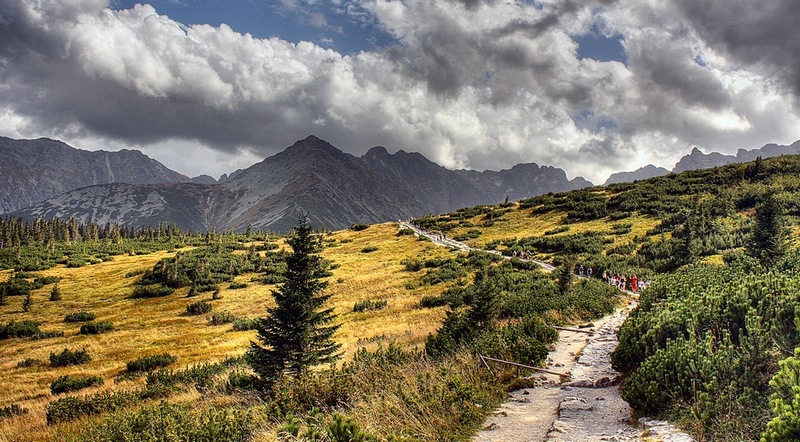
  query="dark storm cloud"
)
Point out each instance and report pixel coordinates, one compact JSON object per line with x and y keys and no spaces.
{"x":486,"y":85}
{"x":765,"y":32}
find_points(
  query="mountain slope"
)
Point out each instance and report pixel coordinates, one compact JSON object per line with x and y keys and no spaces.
{"x":698,"y":160}
{"x":336,"y":189}
{"x":35,"y":170}
{"x":643,"y":173}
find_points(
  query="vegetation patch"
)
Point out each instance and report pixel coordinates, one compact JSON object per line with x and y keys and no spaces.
{"x":94,"y":328}
{"x":66,"y":384}
{"x":82,"y":316}
{"x":366,"y":305}
{"x":12,"y":410}
{"x":150,"y":363}
{"x":69,"y":357}
{"x":198,"y":308}
{"x":151,"y":291}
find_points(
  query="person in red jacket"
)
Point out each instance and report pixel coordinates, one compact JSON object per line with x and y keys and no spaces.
{"x":634,"y":280}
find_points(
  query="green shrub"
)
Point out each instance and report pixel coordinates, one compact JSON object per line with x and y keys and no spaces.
{"x":369,"y":249}
{"x":72,"y":407}
{"x":359,"y":227}
{"x":237,"y":285}
{"x":225,"y":317}
{"x":198,"y":308}
{"x":55,"y":293}
{"x":164,"y":421}
{"x":82,"y":316}
{"x":151,"y":291}
{"x":48,"y":334}
{"x":201,"y":376}
{"x":21,"y":329}
{"x":336,"y":428}
{"x":149,"y":363}
{"x":66,"y":384}
{"x":204,"y":288}
{"x":69,"y":357}
{"x":413,"y":265}
{"x":785,"y":402}
{"x":431,"y":301}
{"x":29,"y":362}
{"x":362,"y":306}
{"x":45,"y":280}
{"x":406,"y":232}
{"x":699,"y":338}
{"x":12,"y":410}
{"x":244,"y":324}
{"x":94,"y":328}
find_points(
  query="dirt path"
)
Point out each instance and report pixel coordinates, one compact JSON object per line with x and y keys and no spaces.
{"x":587,"y":408}
{"x":444,"y":241}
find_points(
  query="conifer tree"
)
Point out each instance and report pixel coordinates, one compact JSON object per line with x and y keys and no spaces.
{"x":297,"y":332}
{"x":565,"y":275}
{"x":768,"y":238}
{"x":55,"y":293}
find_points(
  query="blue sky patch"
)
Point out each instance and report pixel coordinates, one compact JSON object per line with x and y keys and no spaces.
{"x":600,"y":48}
{"x":346,"y":28}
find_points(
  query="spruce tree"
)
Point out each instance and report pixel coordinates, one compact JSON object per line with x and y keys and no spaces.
{"x":768,"y":238}
{"x":55,"y":293}
{"x":565,"y":274}
{"x":296,"y":333}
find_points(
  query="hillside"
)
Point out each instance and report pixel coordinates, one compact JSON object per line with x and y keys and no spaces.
{"x":696,"y":159}
{"x":671,"y":230}
{"x":32,"y":171}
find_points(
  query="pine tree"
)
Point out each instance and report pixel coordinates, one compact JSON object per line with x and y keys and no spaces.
{"x":768,"y":238}
{"x":55,"y":294}
{"x":297,"y":332}
{"x":26,"y":304}
{"x":565,"y":275}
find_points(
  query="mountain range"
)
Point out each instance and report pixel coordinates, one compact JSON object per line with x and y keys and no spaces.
{"x":696,"y":159}
{"x":336,"y":189}
{"x":48,"y":178}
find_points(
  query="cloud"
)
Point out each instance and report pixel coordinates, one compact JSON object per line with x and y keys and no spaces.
{"x":760,"y":33}
{"x":482,"y":86}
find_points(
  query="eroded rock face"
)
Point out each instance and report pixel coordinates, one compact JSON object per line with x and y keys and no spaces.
{"x":32,"y":171}
{"x":334,"y":188}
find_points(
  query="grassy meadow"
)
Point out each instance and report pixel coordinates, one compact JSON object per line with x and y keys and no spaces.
{"x":389,"y":382}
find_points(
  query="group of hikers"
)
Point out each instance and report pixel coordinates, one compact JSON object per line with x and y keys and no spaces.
{"x":619,"y":281}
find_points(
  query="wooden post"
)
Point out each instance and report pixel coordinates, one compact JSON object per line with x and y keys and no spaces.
{"x":540,"y":370}
{"x":576,"y":330}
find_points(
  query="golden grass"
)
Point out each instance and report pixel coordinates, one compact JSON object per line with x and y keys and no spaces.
{"x":520,"y":223}
{"x":150,"y":326}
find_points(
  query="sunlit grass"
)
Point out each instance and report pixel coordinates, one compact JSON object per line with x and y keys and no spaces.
{"x":149,"y":326}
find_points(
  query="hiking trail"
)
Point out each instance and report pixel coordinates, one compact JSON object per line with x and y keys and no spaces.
{"x":589,"y":406}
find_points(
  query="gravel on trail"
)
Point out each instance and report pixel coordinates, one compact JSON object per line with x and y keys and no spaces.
{"x":587,"y":408}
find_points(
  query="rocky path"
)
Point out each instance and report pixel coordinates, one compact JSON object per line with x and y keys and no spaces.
{"x":587,"y":408}
{"x":444,"y":241}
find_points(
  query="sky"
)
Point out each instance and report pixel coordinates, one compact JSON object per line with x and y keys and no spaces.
{"x":590,"y":86}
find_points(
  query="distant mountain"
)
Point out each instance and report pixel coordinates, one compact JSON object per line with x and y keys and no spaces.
{"x":643,"y":173}
{"x":698,"y":160}
{"x":32,"y":171}
{"x":336,"y":189}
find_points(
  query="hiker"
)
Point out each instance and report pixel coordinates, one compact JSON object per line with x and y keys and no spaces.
{"x":580,"y":271}
{"x":589,"y":272}
{"x":633,"y":283}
